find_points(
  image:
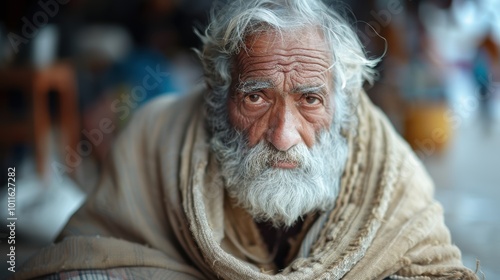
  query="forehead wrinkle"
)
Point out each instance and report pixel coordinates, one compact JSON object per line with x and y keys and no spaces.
{"x":266,"y":59}
{"x":297,"y":52}
{"x":271,"y":68}
{"x":284,"y":59}
{"x":255,"y":66}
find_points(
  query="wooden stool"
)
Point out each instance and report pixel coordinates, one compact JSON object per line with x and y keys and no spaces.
{"x":36,"y":86}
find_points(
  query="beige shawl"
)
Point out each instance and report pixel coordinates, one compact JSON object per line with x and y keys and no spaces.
{"x":160,"y":205}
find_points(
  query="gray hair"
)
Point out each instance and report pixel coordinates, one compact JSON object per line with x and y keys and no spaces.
{"x":232,"y":23}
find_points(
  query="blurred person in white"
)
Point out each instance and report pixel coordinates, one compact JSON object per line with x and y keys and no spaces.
{"x":278,"y":167}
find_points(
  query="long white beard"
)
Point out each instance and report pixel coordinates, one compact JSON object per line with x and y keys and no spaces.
{"x":282,"y":196}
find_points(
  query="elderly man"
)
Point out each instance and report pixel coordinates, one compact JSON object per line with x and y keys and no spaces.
{"x":277,"y":168}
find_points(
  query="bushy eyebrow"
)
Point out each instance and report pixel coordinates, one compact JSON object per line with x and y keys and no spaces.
{"x":305,"y":89}
{"x":254,"y":86}
{"x":258,"y":85}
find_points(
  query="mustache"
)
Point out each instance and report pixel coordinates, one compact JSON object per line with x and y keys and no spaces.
{"x":265,"y":155}
{"x":274,"y":156}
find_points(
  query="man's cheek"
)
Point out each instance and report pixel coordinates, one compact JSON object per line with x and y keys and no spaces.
{"x":234,"y":114}
{"x":238,"y":120}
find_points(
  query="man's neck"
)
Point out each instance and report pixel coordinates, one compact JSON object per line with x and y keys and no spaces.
{"x":278,"y":239}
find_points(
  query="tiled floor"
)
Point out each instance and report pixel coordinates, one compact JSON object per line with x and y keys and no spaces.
{"x":467,"y":178}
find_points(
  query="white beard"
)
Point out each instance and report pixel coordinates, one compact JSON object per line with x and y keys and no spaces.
{"x":282,"y":196}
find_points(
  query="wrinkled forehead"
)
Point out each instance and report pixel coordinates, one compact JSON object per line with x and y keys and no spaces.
{"x":306,"y":40}
{"x":303,"y":56}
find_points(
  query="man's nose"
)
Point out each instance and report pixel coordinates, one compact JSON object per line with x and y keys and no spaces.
{"x":283,"y":130}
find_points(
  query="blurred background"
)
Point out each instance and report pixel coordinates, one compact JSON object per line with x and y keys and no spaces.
{"x":73,"y":72}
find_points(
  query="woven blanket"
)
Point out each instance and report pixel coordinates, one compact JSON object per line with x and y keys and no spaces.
{"x":160,"y":205}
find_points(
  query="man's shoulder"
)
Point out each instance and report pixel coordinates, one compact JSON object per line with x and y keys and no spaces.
{"x":163,"y":103}
{"x":167,"y":110}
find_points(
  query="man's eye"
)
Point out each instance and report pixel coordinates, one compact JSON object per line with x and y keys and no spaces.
{"x":311,"y":100}
{"x":254,"y":98}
